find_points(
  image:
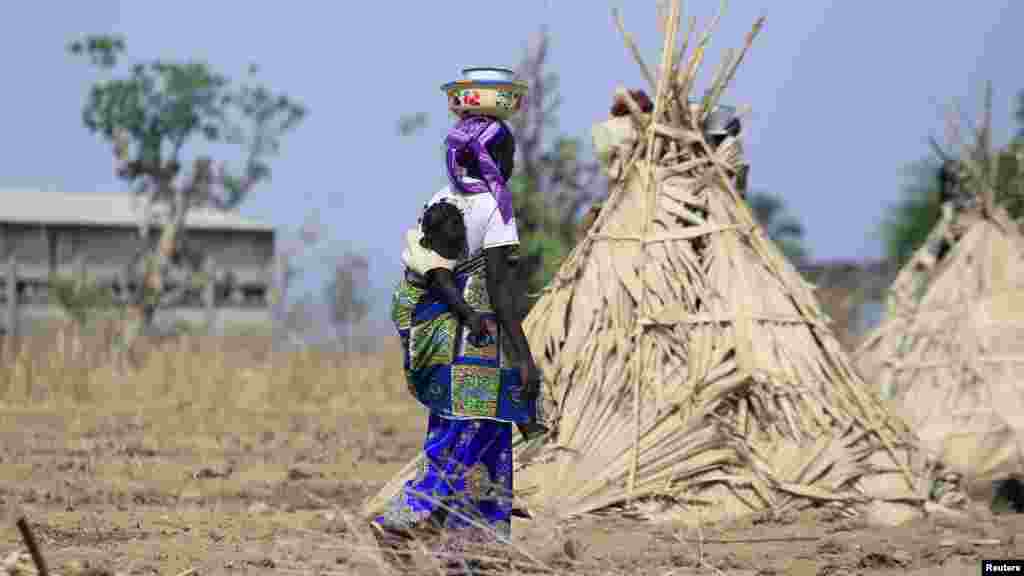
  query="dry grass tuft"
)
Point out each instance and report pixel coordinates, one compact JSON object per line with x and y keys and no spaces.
{"x":74,"y":367}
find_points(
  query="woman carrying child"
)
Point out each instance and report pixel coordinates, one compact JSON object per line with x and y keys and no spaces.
{"x":466,"y":357}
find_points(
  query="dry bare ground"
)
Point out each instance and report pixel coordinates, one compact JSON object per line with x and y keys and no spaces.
{"x":222,"y":458}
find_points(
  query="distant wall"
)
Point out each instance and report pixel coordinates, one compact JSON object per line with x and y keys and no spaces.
{"x":243,"y":260}
{"x":851,"y":293}
{"x":53,"y":248}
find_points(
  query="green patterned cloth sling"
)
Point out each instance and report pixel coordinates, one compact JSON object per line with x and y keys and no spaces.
{"x":446,"y":371}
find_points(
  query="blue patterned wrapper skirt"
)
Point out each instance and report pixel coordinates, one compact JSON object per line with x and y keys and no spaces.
{"x":463,"y":489}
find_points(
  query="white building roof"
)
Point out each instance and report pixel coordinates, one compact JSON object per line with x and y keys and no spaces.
{"x":27,"y":206}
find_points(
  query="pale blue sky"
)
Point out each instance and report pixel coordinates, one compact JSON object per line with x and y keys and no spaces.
{"x":844,"y":95}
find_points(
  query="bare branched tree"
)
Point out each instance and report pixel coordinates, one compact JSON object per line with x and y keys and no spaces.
{"x":553,"y":183}
{"x":299,"y":320}
{"x":554,"y":167}
{"x":287,"y":271}
{"x":346,"y":294}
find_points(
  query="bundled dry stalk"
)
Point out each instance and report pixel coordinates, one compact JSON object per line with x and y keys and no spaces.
{"x":950,"y":351}
{"x":685,"y":356}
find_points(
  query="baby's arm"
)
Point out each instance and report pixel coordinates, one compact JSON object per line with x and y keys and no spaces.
{"x":438,"y":273}
{"x":442,"y":281}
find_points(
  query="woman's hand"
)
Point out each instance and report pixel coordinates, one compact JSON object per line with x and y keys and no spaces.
{"x":530,"y":375}
{"x":480,"y":328}
{"x":531,"y":391}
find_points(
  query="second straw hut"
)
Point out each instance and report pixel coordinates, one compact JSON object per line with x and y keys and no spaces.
{"x":950,"y":352}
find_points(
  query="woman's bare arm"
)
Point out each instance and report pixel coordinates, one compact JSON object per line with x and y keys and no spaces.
{"x":505,"y":294}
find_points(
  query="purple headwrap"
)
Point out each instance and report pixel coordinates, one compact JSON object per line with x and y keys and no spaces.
{"x":471,"y":135}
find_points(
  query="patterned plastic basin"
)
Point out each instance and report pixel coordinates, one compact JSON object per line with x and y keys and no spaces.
{"x":497,"y":98}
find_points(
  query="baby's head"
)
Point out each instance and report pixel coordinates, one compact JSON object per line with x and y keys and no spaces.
{"x":444,"y":231}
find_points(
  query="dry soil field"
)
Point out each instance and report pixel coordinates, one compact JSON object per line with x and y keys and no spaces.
{"x":218,"y":460}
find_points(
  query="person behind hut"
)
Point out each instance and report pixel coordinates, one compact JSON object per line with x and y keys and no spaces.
{"x":615,"y":137}
{"x":958,"y":207}
{"x":611,"y":139}
{"x":466,"y":357}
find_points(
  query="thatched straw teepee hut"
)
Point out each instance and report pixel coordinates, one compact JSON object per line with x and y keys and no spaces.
{"x":686,"y":358}
{"x":950,"y":352}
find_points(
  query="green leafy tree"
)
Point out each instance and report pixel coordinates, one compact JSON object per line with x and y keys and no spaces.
{"x":912,"y":218}
{"x":82,"y":298}
{"x":1010,"y":178}
{"x":782,"y":227}
{"x":1020,"y":116}
{"x":149,"y":113}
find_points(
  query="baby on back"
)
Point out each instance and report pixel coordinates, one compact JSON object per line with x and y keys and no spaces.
{"x":432,"y":252}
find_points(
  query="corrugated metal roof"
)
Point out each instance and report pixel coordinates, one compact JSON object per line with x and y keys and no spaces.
{"x":26,"y":206}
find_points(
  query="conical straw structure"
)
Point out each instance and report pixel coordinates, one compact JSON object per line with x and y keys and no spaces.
{"x":684,"y":357}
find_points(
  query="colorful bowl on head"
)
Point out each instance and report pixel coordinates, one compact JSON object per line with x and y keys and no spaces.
{"x":486,"y":92}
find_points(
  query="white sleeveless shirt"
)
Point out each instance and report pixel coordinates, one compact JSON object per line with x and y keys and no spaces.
{"x":484,"y":226}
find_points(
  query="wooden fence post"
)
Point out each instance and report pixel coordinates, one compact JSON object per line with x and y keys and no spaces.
{"x":210,"y":295}
{"x":12,"y":299}
{"x":78,"y":270}
{"x":278,"y":300}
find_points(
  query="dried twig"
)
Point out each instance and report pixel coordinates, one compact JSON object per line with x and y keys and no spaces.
{"x":720,"y":86}
{"x":700,"y":539}
{"x":33,"y":546}
{"x":633,"y":49}
{"x":750,"y":540}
